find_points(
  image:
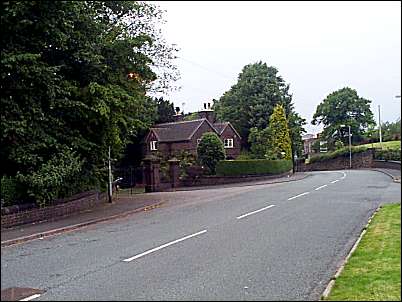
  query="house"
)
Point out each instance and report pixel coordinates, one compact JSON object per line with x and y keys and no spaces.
{"x":308,"y":140}
{"x":172,"y":138}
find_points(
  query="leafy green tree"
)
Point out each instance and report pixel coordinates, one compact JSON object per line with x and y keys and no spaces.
{"x":74,"y":78}
{"x":280,"y":146}
{"x":191,"y":116}
{"x":250,"y":102}
{"x":259,"y":142}
{"x":165,"y":110}
{"x":344,"y":107}
{"x":210,"y":151}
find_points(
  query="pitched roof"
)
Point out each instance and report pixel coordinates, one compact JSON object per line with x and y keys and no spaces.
{"x":177,"y":131}
{"x":220,"y":127}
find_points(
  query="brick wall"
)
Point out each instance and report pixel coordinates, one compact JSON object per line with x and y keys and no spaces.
{"x":220,"y":180}
{"x":52,"y":212}
{"x":359,"y":161}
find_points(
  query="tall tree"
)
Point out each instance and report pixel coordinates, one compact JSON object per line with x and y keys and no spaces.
{"x":250,"y":102}
{"x":74,"y":78}
{"x":165,"y":110}
{"x":344,"y":107}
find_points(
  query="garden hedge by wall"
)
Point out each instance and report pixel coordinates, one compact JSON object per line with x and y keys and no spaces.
{"x":252,"y":167}
{"x":387,"y":155}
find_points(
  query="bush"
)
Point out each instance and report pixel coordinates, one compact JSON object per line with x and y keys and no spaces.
{"x":337,"y":153}
{"x":210,"y":151}
{"x":10,"y":191}
{"x":252,"y":167}
{"x":388,"y":154}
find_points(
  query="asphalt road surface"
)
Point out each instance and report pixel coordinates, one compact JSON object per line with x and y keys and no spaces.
{"x":266,"y":242}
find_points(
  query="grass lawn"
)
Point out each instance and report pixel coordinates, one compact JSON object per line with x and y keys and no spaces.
{"x":373,"y":272}
{"x":393,"y":145}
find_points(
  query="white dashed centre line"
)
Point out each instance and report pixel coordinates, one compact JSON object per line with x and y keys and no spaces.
{"x":163,"y":246}
{"x":251,"y":213}
{"x":319,"y":188}
{"x":305,"y":193}
{"x":31,"y":297}
{"x":334,"y":181}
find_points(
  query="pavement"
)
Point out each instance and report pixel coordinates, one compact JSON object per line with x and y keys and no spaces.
{"x":123,"y":205}
{"x":280,"y":241}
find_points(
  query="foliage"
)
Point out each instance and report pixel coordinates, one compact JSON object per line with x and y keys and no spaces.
{"x":54,"y":178}
{"x":165,"y":111}
{"x":210,"y":151}
{"x":252,"y":167}
{"x":338,"y":153}
{"x":191,"y":116}
{"x":279,"y":139}
{"x":373,"y":272}
{"x":75,"y":75}
{"x":387,"y":154}
{"x":392,"y":145}
{"x":10,"y":191}
{"x":259,"y":143}
{"x":244,"y":155}
{"x":187,"y":160}
{"x":251,"y":101}
{"x":344,"y":107}
{"x":339,"y":144}
{"x":391,"y":131}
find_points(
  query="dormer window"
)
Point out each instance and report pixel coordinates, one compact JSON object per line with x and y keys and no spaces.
{"x":153,"y":145}
{"x":228,"y":142}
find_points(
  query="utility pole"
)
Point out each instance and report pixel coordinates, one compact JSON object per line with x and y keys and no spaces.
{"x":379,"y":124}
{"x":350,"y":149}
{"x":110,"y":179}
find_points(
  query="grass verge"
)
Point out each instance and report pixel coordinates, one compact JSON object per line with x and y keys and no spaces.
{"x":373,"y":272}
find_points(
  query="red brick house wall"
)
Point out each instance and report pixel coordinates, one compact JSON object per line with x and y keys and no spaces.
{"x":231,"y":153}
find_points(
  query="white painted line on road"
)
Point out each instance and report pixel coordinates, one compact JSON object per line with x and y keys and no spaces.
{"x":334,"y":181}
{"x":319,"y":188}
{"x":31,"y":297}
{"x":344,"y":175}
{"x":163,"y":246}
{"x":251,"y":213}
{"x":305,"y":193}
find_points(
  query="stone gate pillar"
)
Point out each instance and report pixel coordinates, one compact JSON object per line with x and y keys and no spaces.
{"x":151,"y":174}
{"x":174,"y":171}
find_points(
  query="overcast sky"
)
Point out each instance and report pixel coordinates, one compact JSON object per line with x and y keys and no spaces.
{"x":317,"y":47}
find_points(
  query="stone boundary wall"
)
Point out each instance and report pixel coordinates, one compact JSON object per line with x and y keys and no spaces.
{"x":51,"y":212}
{"x":387,"y":164}
{"x":359,"y":161}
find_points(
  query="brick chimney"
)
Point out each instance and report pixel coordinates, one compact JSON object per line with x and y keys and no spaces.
{"x":178,"y":116}
{"x":207,"y":112}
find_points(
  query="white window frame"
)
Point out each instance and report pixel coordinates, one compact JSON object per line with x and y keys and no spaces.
{"x":153,"y":145}
{"x":228,"y":143}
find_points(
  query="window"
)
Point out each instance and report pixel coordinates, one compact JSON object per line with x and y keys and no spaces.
{"x":228,"y":142}
{"x":153,"y":145}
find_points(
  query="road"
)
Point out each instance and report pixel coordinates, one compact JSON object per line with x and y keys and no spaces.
{"x":266,"y":242}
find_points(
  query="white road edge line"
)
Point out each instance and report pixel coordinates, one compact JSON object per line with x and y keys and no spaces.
{"x":305,"y":193}
{"x":319,"y":188}
{"x":251,"y":213}
{"x":31,"y":297}
{"x":334,"y":181}
{"x":163,"y":246}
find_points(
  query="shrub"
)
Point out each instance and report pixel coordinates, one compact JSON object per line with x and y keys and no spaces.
{"x":10,"y":191}
{"x":388,"y":154}
{"x":210,"y":151}
{"x":338,"y":153}
{"x":252,"y":167}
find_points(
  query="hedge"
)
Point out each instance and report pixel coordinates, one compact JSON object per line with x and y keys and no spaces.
{"x":252,"y":167}
{"x":388,"y":154}
{"x":338,"y":153}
